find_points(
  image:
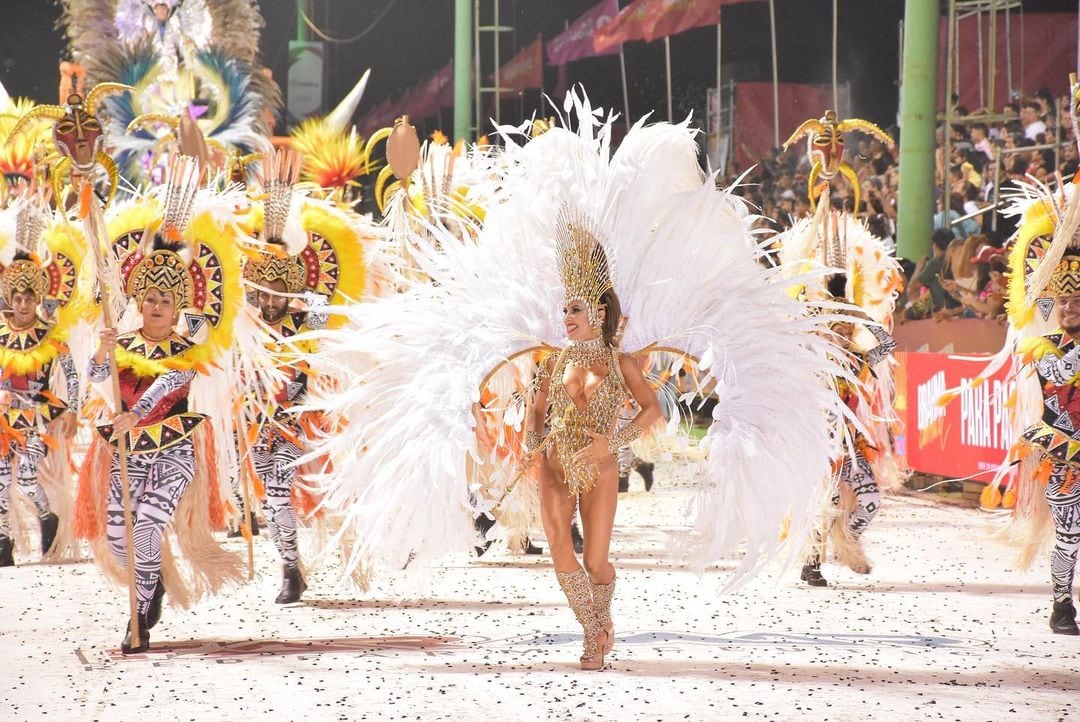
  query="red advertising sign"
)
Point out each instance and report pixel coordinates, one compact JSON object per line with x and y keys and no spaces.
{"x":972,"y":434}
{"x":1041,"y":44}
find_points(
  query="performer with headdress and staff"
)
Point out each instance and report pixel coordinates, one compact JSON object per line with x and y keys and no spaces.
{"x":182,"y":264}
{"x":838,"y":261}
{"x":79,"y":138}
{"x":312,"y":258}
{"x":41,"y":291}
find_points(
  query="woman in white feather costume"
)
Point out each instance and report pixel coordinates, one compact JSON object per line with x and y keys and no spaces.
{"x":689,"y":281}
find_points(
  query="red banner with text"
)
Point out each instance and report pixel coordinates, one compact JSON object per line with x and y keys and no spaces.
{"x":971,"y":435}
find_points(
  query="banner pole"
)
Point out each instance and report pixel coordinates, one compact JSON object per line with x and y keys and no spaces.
{"x":667,"y":64}
{"x":835,"y":74}
{"x":625,"y":94}
{"x":775,"y":76}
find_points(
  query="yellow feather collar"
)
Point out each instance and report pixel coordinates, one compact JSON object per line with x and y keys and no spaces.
{"x":33,"y":360}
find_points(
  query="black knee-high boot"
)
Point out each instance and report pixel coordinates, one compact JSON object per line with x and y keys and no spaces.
{"x":1063,"y":618}
{"x":7,"y":549}
{"x":292,"y":586}
{"x":50,"y":524}
{"x":144,"y":637}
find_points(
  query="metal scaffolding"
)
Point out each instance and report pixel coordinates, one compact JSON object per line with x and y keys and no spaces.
{"x":488,"y":31}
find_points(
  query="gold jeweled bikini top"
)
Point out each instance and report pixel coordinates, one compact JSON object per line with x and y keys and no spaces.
{"x":570,"y":423}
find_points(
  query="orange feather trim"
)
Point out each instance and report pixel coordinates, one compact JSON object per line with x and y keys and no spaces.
{"x":93,"y":487}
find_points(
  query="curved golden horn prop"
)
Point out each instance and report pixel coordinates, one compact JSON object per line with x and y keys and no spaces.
{"x":849,"y":173}
{"x":146,"y":118}
{"x":52,"y":112}
{"x":811,"y":182}
{"x":109,"y":165}
{"x":59,"y":172}
{"x":102,"y":90}
{"x":867,"y":127}
{"x":813,"y":125}
{"x":381,"y":191}
{"x":374,"y":139}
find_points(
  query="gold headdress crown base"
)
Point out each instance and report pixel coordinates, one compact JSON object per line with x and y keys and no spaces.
{"x":1066,"y":278}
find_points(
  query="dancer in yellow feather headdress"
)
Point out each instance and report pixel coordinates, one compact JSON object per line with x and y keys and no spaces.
{"x":313,"y":257}
{"x":863,"y":273}
{"x":178,"y":259}
{"x":41,"y":296}
{"x":1041,"y":473}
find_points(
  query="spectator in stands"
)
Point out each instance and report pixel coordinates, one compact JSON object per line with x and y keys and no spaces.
{"x":1045,"y":100}
{"x":980,"y":140}
{"x":1030,"y":113}
{"x":989,"y":300}
{"x":881,"y":158}
{"x":951,"y":220}
{"x":929,"y":274}
{"x":962,"y":268}
{"x":1069,"y":160}
{"x":1041,"y":165}
{"x":957,"y":180}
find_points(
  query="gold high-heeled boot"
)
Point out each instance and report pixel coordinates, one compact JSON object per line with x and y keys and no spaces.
{"x":578,"y":590}
{"x":602,"y":594}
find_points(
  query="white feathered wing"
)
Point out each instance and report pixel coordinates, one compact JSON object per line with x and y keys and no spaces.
{"x":687,"y":279}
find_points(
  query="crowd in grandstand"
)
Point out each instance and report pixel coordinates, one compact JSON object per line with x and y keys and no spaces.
{"x":963,"y":276}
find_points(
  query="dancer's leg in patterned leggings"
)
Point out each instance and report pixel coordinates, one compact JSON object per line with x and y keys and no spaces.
{"x":5,"y":497}
{"x":858,"y":475}
{"x":274,"y":455}
{"x":1064,"y":500}
{"x":26,"y":474}
{"x":158,"y":480}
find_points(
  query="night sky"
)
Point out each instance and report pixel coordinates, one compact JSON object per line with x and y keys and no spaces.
{"x":415,"y":38}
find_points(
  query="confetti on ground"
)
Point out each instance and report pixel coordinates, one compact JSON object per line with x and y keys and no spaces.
{"x":944,"y":628}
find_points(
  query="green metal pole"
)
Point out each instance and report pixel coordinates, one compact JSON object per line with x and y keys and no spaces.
{"x":463,"y":63}
{"x":918,"y":111}
{"x":301,"y":26}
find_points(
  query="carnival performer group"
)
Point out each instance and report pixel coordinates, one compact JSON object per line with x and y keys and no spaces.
{"x":499,"y":347}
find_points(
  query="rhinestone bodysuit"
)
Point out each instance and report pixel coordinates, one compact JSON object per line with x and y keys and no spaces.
{"x":570,"y":424}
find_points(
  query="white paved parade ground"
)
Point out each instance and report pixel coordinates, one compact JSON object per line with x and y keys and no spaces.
{"x":944,"y":628}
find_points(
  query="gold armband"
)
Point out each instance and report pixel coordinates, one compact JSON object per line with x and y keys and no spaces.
{"x":532,"y":441}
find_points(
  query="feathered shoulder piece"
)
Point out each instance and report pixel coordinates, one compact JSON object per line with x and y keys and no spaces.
{"x":1043,"y":254}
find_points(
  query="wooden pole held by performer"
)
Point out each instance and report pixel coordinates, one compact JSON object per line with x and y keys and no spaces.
{"x":245,"y":492}
{"x":95,"y":227}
